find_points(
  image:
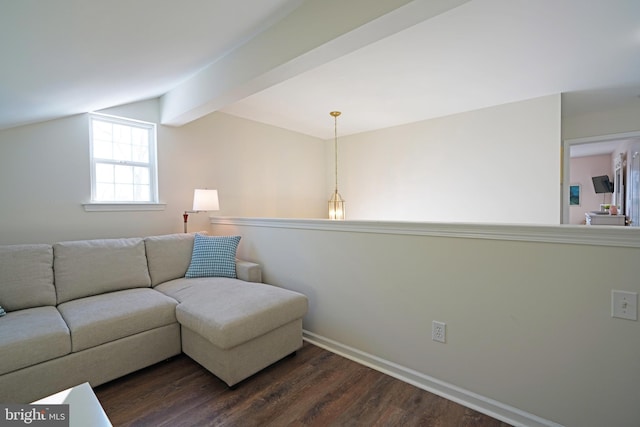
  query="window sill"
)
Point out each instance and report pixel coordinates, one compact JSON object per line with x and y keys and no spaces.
{"x":122,"y":207}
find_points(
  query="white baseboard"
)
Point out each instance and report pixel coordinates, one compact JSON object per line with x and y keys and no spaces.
{"x":493,"y":408}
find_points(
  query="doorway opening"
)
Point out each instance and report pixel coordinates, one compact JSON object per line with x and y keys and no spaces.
{"x":616,"y":156}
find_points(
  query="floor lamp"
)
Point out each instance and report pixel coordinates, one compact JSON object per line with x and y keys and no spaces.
{"x":203,"y":201}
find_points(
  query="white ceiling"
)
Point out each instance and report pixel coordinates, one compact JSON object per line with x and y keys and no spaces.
{"x":67,"y":57}
{"x":595,"y":148}
{"x":62,"y":57}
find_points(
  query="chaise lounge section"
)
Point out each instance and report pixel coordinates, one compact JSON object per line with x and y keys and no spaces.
{"x":95,"y":310}
{"x":234,"y":328}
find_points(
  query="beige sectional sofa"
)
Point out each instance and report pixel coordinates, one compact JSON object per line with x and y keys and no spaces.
{"x":94,"y":310}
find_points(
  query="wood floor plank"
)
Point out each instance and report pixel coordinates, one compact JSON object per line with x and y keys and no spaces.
{"x":314,"y":388}
{"x":328,"y":404}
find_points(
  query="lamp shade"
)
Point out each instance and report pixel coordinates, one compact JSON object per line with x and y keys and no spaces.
{"x":205,"y":200}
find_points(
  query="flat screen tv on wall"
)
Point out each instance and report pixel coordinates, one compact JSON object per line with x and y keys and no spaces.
{"x":601,"y":184}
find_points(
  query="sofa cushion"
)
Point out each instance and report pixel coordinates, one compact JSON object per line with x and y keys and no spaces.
{"x":26,"y":276}
{"x":168,"y":256}
{"x":92,"y":267}
{"x":107,"y":317}
{"x":213,"y":256}
{"x":32,"y":336}
{"x":229,"y":312}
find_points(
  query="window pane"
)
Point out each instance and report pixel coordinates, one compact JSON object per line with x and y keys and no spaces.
{"x":121,"y":152}
{"x":140,"y":136}
{"x":124,"y":174}
{"x":140,"y":154}
{"x":104,"y":173}
{"x":142,"y":193}
{"x":102,"y":149}
{"x":124,"y":192}
{"x":102,"y":130}
{"x":121,"y":134}
{"x":141,"y":175}
{"x":105,"y":193}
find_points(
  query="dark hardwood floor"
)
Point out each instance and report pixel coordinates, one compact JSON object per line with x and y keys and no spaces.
{"x":313,"y":388}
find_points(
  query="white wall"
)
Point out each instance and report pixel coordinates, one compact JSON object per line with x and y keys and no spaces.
{"x":528,"y":323}
{"x":257,"y":169}
{"x":448,"y":169}
{"x":618,"y":120}
{"x":499,"y":164}
{"x":261,"y":170}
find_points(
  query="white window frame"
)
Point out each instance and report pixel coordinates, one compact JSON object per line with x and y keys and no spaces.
{"x":152,"y":165}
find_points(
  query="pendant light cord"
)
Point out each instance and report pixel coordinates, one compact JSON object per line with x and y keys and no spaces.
{"x":335,"y":115}
{"x":335,"y":139}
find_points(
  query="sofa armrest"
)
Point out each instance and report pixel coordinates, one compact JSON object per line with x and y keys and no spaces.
{"x":248,"y":271}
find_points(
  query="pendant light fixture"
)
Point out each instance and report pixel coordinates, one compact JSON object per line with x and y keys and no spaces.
{"x":336,"y":203}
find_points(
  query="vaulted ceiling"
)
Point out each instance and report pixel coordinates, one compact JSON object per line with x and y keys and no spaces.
{"x":289,"y":62}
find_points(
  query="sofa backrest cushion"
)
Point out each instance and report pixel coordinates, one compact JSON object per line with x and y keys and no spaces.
{"x":92,"y":267}
{"x":168,"y":256}
{"x":26,"y":276}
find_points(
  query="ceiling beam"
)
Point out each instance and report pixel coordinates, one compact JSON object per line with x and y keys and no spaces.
{"x":316,"y":32}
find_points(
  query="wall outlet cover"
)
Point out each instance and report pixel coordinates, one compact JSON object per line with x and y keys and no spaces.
{"x":439,"y":331}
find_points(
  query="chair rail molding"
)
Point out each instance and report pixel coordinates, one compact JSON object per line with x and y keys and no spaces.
{"x":568,"y":234}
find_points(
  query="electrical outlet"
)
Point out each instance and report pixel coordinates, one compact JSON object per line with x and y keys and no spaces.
{"x":624,"y":305}
{"x":439,"y":331}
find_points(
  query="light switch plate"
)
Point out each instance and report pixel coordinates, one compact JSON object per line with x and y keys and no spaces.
{"x":624,"y":305}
